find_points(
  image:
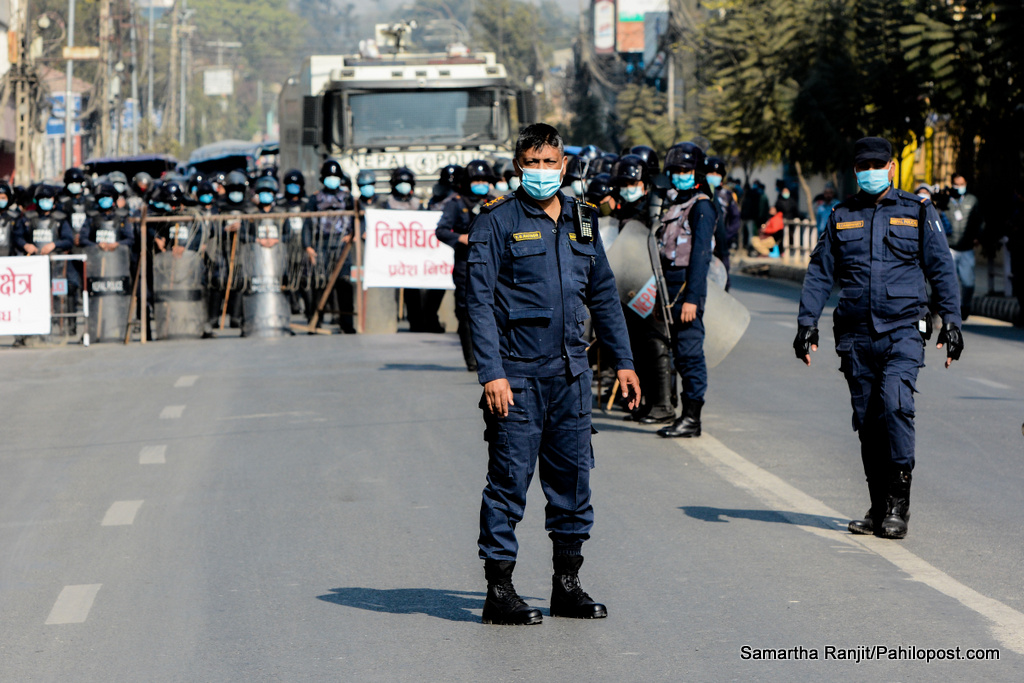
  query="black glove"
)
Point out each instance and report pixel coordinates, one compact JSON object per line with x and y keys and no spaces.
{"x":953,"y":340}
{"x":806,"y":337}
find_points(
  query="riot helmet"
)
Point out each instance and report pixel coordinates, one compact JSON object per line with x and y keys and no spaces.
{"x":574,"y":170}
{"x":194,"y":180}
{"x":402,"y":181}
{"x":172,"y":193}
{"x":106,"y":195}
{"x":236,"y":183}
{"x":331,"y":175}
{"x":589,"y":153}
{"x":8,"y":192}
{"x":713,"y":170}
{"x":650,"y":158}
{"x":629,"y":170}
{"x":294,"y":183}
{"x":451,"y":177}
{"x":206,"y":193}
{"x":142,"y":181}
{"x":74,"y":180}
{"x":366,"y":181}
{"x":265,"y":188}
{"x":479,"y":176}
{"x":684,"y":156}
{"x":120,"y":182}
{"x":44,"y":197}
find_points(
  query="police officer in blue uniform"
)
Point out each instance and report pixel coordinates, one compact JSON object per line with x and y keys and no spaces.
{"x":878,"y":247}
{"x":684,"y":240}
{"x":537,"y":271}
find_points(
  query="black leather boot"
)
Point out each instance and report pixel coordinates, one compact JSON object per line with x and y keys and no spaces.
{"x":688,"y":424}
{"x":661,"y":411}
{"x":503,"y":605}
{"x":568,"y":599}
{"x":872,"y":521}
{"x":897,"y":513}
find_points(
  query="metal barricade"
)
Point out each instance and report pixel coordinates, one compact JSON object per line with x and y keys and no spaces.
{"x":801,"y":236}
{"x":64,"y":307}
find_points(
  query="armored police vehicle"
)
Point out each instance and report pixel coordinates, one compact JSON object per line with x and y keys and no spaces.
{"x":378,"y":111}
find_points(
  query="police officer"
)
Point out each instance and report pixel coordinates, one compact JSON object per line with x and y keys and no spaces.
{"x":536,"y":264}
{"x":366,"y":180}
{"x":632,"y":179}
{"x":477,"y":188}
{"x":575,"y":172}
{"x":48,"y":231}
{"x":966,"y":224}
{"x":107,"y":227}
{"x":449,"y":183}
{"x":9,"y":215}
{"x":74,"y":203}
{"x":878,"y":247}
{"x":684,"y":240}
{"x":324,"y":238}
{"x":727,"y":227}
{"x":293,"y":200}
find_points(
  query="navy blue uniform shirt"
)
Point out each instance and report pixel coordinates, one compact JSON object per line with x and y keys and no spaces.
{"x":532,"y":287}
{"x":879,"y":255}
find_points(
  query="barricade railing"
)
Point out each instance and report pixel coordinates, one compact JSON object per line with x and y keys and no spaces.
{"x":71,"y":314}
{"x":800,"y":238}
{"x":316,"y":274}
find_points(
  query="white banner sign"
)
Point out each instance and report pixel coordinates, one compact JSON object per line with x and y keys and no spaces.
{"x":402,"y":251}
{"x":25,"y":295}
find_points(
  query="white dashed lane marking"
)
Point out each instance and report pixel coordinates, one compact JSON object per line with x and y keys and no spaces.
{"x":122,"y":513}
{"x":73,"y":604}
{"x":171,"y":412}
{"x":153,"y":455}
{"x":185,"y":381}
{"x":989,"y":383}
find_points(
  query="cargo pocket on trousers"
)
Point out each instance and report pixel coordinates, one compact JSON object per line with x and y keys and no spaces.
{"x":907,"y":388}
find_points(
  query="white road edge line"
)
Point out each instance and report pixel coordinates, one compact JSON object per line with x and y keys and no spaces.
{"x":171,"y":412}
{"x":1008,"y":623}
{"x":185,"y":381}
{"x":989,"y":383}
{"x":153,"y":455}
{"x":122,"y":513}
{"x":73,"y":604}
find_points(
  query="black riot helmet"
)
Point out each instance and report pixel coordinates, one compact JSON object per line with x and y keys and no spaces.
{"x":713,"y":165}
{"x":142,"y":182}
{"x":120,"y":182}
{"x":451,"y":177}
{"x":172,"y":193}
{"x":331,"y":168}
{"x":574,"y":170}
{"x":402,"y":175}
{"x":600,"y":186}
{"x":503,"y":168}
{"x":74,"y":175}
{"x":366,"y":177}
{"x":684,"y":156}
{"x":650,"y":158}
{"x":479,"y":170}
{"x":45,"y":190}
{"x":265,"y":183}
{"x":630,"y":169}
{"x":206,"y":189}
{"x":236,"y":180}
{"x":603,"y":164}
{"x":292,"y":179}
{"x":267,"y":172}
{"x":5,"y":188}
{"x":106,"y":189}
{"x":589,"y":153}
{"x":194,"y":180}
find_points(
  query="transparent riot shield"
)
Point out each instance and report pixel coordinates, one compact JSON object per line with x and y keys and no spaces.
{"x":265,"y":306}
{"x":179,"y":311}
{"x":109,"y":293}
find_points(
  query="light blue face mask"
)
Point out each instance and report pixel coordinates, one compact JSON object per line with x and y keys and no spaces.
{"x":120,"y":187}
{"x":75,"y":188}
{"x":873,"y":181}
{"x":501,"y":186}
{"x":715,"y":181}
{"x":631,"y":194}
{"x":332,"y":182}
{"x":514,"y":183}
{"x":684,"y":181}
{"x":4,"y":202}
{"x":367,"y":190}
{"x":403,"y":189}
{"x":45,"y":204}
{"x":292,"y":188}
{"x":105,"y":202}
{"x":479,"y":189}
{"x":961,"y":190}
{"x":206,"y":199}
{"x":266,"y":197}
{"x":542,"y":184}
{"x":236,"y":197}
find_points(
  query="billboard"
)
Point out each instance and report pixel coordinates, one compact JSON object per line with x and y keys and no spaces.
{"x":218,"y":81}
{"x":604,"y":26}
{"x":630,"y":29}
{"x":55,"y":124}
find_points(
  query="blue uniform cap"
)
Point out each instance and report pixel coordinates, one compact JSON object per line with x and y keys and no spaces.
{"x":872,"y":149}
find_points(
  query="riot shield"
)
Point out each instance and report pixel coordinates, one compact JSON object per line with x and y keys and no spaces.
{"x":109,"y":281}
{"x":608,"y":227}
{"x":265,"y":307}
{"x":179,"y":311}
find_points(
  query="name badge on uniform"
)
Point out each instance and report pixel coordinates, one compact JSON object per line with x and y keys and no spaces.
{"x":179,"y":232}
{"x":77,"y":220}
{"x":42,"y":236}
{"x":849,"y":225}
{"x":295,"y":224}
{"x":523,"y":236}
{"x":106,"y":236}
{"x":267,"y":230}
{"x":909,"y":222}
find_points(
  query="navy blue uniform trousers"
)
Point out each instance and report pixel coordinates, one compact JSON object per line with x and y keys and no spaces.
{"x":687,"y":339}
{"x":550,"y":421}
{"x":881,"y":371}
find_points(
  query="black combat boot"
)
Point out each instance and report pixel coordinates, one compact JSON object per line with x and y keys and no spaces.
{"x":872,"y":521}
{"x":897,"y":513}
{"x":503,"y":605}
{"x":687,"y":425}
{"x":661,"y":411}
{"x":568,"y":599}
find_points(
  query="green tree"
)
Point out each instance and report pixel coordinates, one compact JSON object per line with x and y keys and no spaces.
{"x":643,"y":114}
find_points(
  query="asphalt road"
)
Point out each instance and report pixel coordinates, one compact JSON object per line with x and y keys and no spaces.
{"x":306,"y":509}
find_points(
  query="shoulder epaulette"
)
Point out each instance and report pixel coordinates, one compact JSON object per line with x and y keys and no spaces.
{"x":490,"y":206}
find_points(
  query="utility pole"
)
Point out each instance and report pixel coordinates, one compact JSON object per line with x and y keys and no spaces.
{"x":105,"y":35}
{"x":69,"y":131}
{"x":171,"y":111}
{"x":150,"y":116}
{"x":25,"y":83}
{"x":136,"y":109}
{"x":183,"y":75}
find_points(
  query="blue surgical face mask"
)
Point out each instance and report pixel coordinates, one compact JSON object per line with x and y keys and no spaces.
{"x":631,"y":194}
{"x":266,"y":197}
{"x":236,"y":197}
{"x":873,"y":181}
{"x":367,"y":191}
{"x":684,"y":181}
{"x":4,"y":202}
{"x":105,"y":202}
{"x":293,"y":188}
{"x":715,"y":181}
{"x":75,"y":188}
{"x":206,"y":199}
{"x":542,"y":184}
{"x":45,"y":203}
{"x":120,"y":187}
{"x":332,"y":182}
{"x":501,"y":186}
{"x":961,"y":190}
{"x":480,"y":189}
{"x":403,"y":188}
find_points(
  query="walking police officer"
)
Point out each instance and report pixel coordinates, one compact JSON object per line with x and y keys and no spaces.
{"x":879,"y":246}
{"x":685,"y":244}
{"x":536,"y":265}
